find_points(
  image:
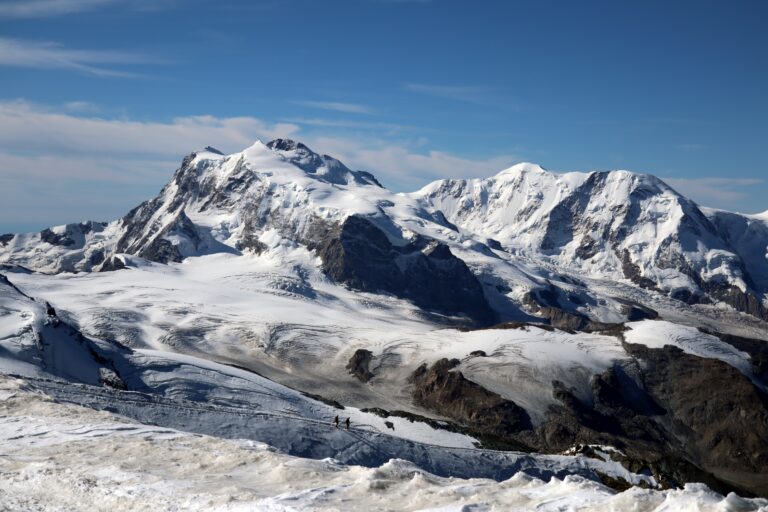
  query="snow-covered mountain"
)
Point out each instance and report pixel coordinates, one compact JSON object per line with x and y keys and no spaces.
{"x":530,"y":311}
{"x":606,"y":225}
{"x":615,"y":225}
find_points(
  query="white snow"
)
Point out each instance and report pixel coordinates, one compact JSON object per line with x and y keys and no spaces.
{"x":64,"y":457}
{"x":657,"y":334}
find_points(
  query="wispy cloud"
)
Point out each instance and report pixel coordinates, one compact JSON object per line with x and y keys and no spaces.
{"x":401,"y":167}
{"x":718,"y":192}
{"x":50,"y":8}
{"x":389,"y":128}
{"x":54,"y":160}
{"x":82,"y":107}
{"x":349,"y":108}
{"x":30,"y":128}
{"x":56,"y":166}
{"x":50,"y":55}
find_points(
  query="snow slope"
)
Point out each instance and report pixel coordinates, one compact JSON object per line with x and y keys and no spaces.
{"x":58,"y":456}
{"x":601,"y":224}
{"x":196,"y":395}
{"x":522,"y":231}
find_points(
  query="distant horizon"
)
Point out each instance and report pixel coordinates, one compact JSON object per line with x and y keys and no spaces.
{"x":101,"y":99}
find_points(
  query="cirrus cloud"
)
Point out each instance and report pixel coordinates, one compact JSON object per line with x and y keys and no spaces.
{"x":65,"y":164}
{"x":51,"y":55}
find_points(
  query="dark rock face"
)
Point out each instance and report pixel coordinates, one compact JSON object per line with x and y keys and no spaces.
{"x":446,"y":391}
{"x":757,"y":350}
{"x":667,"y":417}
{"x":681,"y":417}
{"x":111,"y":264}
{"x":746,"y":302}
{"x":73,"y":234}
{"x":545,"y":303}
{"x":50,"y":311}
{"x":358,"y":364}
{"x":633,"y":273}
{"x":153,"y":245}
{"x":5,"y":281}
{"x":4,"y":239}
{"x":52,"y":238}
{"x":724,"y":428}
{"x":636,"y":312}
{"x":359,"y":254}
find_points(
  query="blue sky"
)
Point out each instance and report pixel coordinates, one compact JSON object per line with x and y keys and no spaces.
{"x":100,"y":99}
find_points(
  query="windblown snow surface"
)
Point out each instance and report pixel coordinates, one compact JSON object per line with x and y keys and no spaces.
{"x":65,"y":457}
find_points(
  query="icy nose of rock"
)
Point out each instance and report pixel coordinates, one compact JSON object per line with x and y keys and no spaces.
{"x":211,"y":149}
{"x":287,"y":145}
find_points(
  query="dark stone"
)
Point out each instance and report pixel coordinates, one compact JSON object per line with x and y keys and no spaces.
{"x":359,"y":254}
{"x":377,"y":411}
{"x":478,"y":353}
{"x":96,"y":257}
{"x":211,"y":149}
{"x":450,"y":394}
{"x":4,"y":280}
{"x":326,"y":401}
{"x":715,"y":413}
{"x":633,"y":273}
{"x":636,"y":312}
{"x":757,"y":350}
{"x":571,"y":322}
{"x":358,"y":364}
{"x":52,"y":238}
{"x":50,"y":311}
{"x":4,"y":239}
{"x":746,"y":302}
{"x":587,"y":249}
{"x":494,"y":244}
{"x":111,"y":264}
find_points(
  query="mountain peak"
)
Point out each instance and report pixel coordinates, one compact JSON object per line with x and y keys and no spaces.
{"x":524,"y":167}
{"x":323,"y":167}
{"x":288,"y":145}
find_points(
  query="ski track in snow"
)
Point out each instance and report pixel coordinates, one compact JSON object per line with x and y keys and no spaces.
{"x":64,"y":457}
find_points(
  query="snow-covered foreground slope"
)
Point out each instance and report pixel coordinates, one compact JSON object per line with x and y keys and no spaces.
{"x":65,"y":457}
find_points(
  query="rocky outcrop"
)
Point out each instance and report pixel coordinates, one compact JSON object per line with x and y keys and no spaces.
{"x":443,"y":389}
{"x":359,"y":254}
{"x":757,"y":350}
{"x":744,"y":301}
{"x":359,"y":363}
{"x":111,"y":264}
{"x":667,"y":412}
{"x":723,"y":428}
{"x":325,"y":167}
